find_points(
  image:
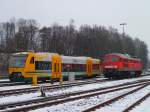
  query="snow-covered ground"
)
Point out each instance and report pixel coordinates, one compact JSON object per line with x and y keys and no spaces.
{"x":82,"y":104}
{"x":14,"y":87}
{"x":29,"y":96}
{"x":125,"y":102}
{"x":143,"y":107}
{"x":4,"y":80}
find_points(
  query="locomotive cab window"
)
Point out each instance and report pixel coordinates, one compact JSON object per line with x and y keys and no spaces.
{"x":115,"y":59}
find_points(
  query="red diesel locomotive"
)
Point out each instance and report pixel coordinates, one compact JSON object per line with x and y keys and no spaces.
{"x":116,"y":65}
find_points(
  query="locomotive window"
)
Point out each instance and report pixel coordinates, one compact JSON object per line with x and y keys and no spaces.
{"x":114,"y":59}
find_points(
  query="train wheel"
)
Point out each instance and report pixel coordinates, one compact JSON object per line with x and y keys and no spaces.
{"x":137,"y":74}
{"x":11,"y":78}
{"x":43,"y":79}
{"x":26,"y":82}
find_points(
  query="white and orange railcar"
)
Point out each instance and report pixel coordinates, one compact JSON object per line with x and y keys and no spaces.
{"x":24,"y":66}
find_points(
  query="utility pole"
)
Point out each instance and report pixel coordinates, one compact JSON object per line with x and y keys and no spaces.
{"x":123,"y":34}
{"x":123,"y":24}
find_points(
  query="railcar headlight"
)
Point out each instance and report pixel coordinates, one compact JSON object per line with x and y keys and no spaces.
{"x":19,"y":74}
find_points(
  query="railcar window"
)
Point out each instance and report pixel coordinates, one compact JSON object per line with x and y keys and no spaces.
{"x":42,"y":65}
{"x":67,"y":67}
{"x":17,"y":61}
{"x":82,"y":67}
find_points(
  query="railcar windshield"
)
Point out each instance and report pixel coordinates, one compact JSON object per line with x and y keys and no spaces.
{"x":17,"y":61}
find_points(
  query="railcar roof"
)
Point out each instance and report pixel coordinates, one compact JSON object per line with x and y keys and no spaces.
{"x":20,"y":53}
{"x":70,"y":59}
{"x":38,"y":53}
{"x":79,"y":60}
{"x":96,"y":60}
{"x":41,"y":53}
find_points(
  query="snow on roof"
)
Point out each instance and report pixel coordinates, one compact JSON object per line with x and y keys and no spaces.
{"x":76,"y":60}
{"x":42,"y":53}
{"x":20,"y":53}
{"x":43,"y":56}
{"x":96,"y":60}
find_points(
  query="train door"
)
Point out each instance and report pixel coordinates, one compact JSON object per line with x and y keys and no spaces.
{"x":30,"y":64}
{"x":56,"y":67}
{"x":89,"y":67}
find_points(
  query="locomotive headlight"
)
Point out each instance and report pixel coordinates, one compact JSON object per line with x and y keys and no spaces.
{"x":115,"y":66}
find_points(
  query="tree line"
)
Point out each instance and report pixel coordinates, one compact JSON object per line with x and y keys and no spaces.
{"x":95,"y":41}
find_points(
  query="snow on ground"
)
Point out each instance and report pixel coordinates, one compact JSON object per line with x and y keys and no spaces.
{"x":82,"y":104}
{"x":10,"y":99}
{"x":24,"y":86}
{"x":30,"y":96}
{"x":143,"y":107}
{"x":125,"y":102}
{"x":4,"y":80}
{"x":14,"y":87}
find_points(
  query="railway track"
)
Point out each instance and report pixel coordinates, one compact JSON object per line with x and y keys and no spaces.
{"x":137,"y":102}
{"x":58,"y":99}
{"x":3,"y":81}
{"x":110,"y":101}
{"x":145,"y":75}
{"x":49,"y":87}
{"x":8,"y":83}
{"x":4,"y":84}
{"x":34,"y":89}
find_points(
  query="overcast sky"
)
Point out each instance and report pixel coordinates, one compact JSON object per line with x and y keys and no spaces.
{"x":101,"y":12}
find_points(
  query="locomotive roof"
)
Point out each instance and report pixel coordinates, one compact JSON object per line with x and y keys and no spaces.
{"x":124,"y":56}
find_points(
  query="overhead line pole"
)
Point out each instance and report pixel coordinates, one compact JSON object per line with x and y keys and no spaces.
{"x":123,"y":24}
{"x":123,"y":34}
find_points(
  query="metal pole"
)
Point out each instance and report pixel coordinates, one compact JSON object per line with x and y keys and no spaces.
{"x":123,"y":24}
{"x":123,"y":34}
